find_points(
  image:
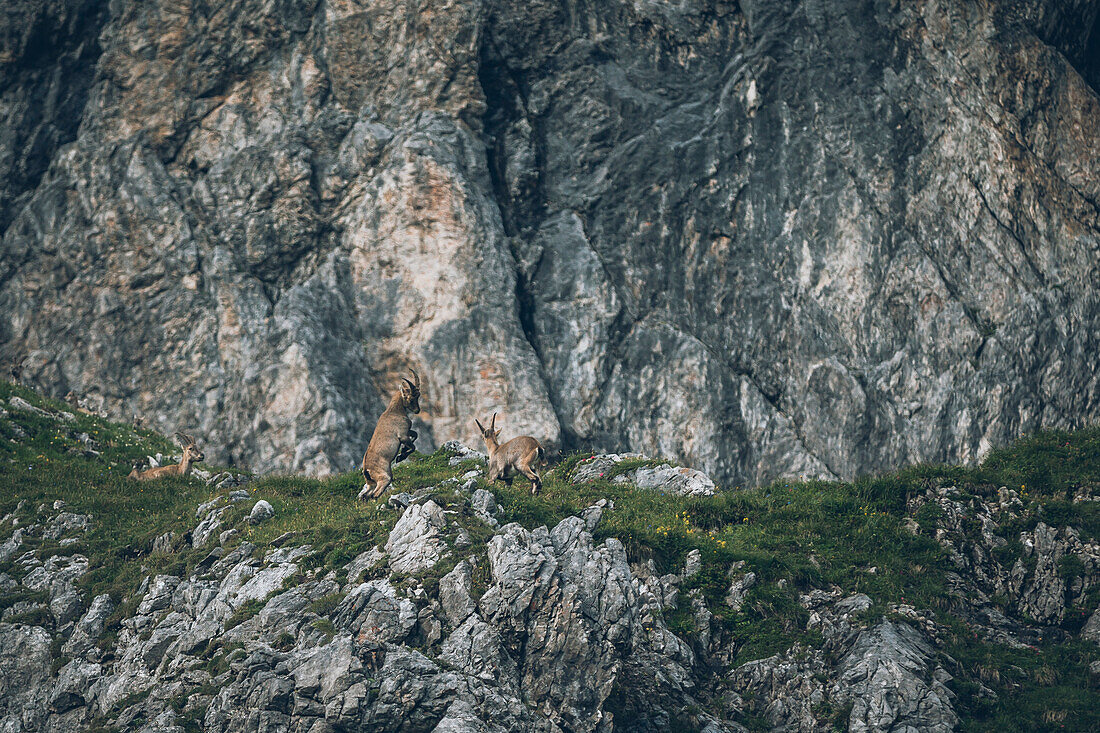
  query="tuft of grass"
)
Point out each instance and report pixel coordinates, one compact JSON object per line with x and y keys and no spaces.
{"x":33,"y":617}
{"x":21,"y":595}
{"x":284,"y":641}
{"x":325,"y":605}
{"x":326,"y":627}
{"x":246,"y":611}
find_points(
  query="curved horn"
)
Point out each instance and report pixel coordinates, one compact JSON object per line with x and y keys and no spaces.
{"x":411,"y":385}
{"x":493,"y":424}
{"x":416,"y":377}
{"x":479,"y":425}
{"x":184,"y":440}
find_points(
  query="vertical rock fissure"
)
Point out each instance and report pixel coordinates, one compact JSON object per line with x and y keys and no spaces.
{"x":497,"y":79}
{"x":44,"y":88}
{"x":1090,"y":66}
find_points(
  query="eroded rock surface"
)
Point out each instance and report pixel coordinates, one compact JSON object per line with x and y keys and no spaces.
{"x":535,"y":636}
{"x":886,"y":673}
{"x":762,"y":239}
{"x":416,"y":542}
{"x":1027,"y":575}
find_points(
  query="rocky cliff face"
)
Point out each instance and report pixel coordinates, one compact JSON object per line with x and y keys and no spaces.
{"x":765,"y":238}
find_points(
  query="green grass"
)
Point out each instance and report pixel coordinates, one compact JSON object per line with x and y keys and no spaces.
{"x":809,"y":534}
{"x":1036,"y":690}
{"x":244,"y":612}
{"x":326,"y":627}
{"x":127,"y":516}
{"x":325,"y":605}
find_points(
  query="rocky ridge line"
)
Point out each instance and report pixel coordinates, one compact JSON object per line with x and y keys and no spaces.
{"x":543,"y":630}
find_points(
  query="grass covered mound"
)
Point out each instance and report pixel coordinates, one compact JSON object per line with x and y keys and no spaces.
{"x":794,"y":535}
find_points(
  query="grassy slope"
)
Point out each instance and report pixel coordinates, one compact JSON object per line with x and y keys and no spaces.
{"x":811,"y":533}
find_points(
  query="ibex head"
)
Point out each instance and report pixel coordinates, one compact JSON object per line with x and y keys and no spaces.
{"x":191,"y":451}
{"x":410,"y":392}
{"x":491,"y":432}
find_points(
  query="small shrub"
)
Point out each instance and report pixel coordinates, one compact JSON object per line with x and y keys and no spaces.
{"x":326,"y":627}
{"x":244,"y":612}
{"x":325,"y":605}
{"x":284,"y":641}
{"x":33,"y":617}
{"x":1070,"y":567}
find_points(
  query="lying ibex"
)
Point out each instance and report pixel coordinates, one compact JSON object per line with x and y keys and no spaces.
{"x":392,"y":441}
{"x":191,"y":454}
{"x":73,"y":400}
{"x":519,"y":454}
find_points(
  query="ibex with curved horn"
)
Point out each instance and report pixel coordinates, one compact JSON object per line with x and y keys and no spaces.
{"x":520,"y":455}
{"x":191,"y":454}
{"x":393,"y":439}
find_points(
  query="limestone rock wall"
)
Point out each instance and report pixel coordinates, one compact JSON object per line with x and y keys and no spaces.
{"x":763,"y":238}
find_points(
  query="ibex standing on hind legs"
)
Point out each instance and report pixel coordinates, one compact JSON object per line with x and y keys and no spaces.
{"x":393,"y":439}
{"x":191,"y":454}
{"x":520,"y":454}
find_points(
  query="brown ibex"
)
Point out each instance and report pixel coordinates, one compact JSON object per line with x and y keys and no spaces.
{"x":191,"y":454}
{"x":393,"y":439}
{"x":520,"y":454}
{"x":73,"y":400}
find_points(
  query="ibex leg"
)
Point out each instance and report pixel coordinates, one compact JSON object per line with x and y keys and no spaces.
{"x":406,"y":447}
{"x":525,"y":467}
{"x":382,"y":484}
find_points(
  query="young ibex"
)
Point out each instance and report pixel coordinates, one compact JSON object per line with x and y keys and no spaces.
{"x":393,"y":439}
{"x":191,"y":454}
{"x":519,"y":454}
